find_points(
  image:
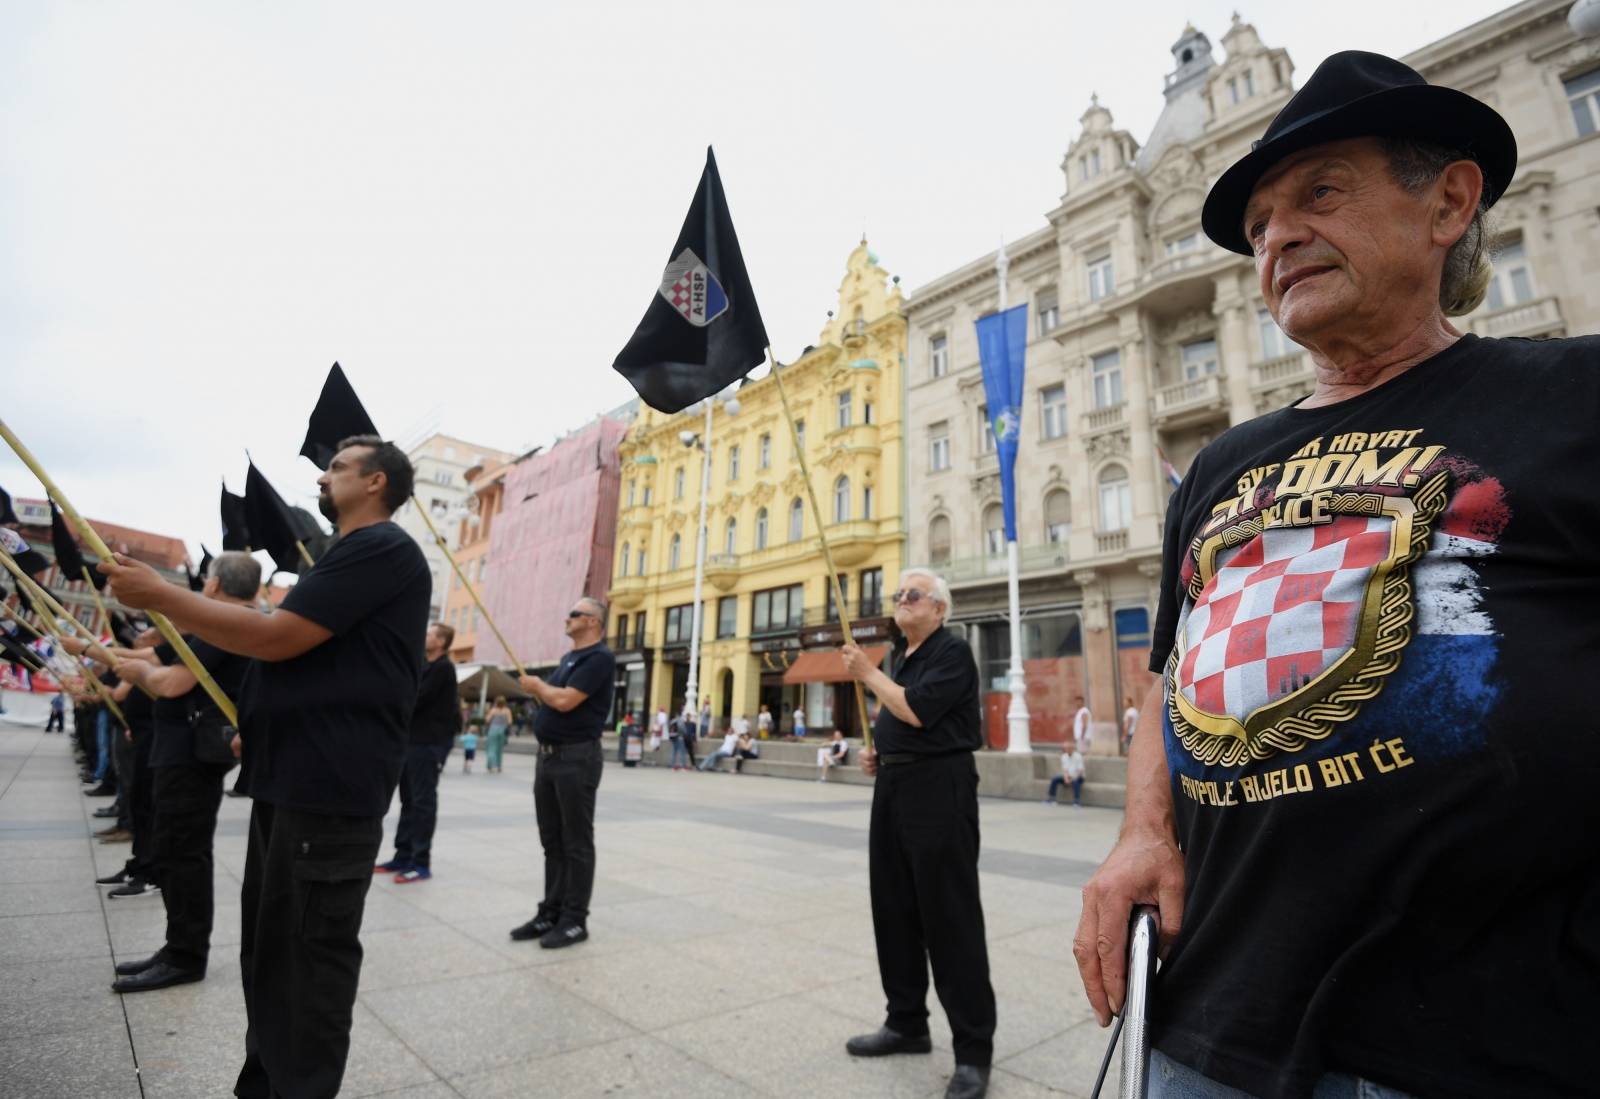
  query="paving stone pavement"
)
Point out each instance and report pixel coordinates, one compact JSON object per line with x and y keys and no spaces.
{"x":731,"y":950}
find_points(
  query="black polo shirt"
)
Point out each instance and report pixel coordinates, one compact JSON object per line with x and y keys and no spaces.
{"x":941,"y":684}
{"x":174,"y":743}
{"x":594,"y":672}
{"x":325,"y":731}
{"x":437,"y":717}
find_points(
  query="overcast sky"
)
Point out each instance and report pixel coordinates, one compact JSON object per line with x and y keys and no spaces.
{"x":469,"y":205}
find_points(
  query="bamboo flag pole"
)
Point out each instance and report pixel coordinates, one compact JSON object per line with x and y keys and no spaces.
{"x":103,"y":551}
{"x":37,"y":664}
{"x":40,"y":595}
{"x":99,"y":604}
{"x":822,"y":536}
{"x":305,"y":554}
{"x":439,"y":539}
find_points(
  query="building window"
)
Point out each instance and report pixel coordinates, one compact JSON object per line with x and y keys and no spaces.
{"x":777,"y":609}
{"x":1512,"y":281}
{"x":1047,"y":308}
{"x":841,"y":500}
{"x":621,"y":641}
{"x":1058,"y":518}
{"x":1189,"y":242}
{"x":730,"y":537}
{"x":1233,"y":90}
{"x":761,"y":529}
{"x":994,"y":531}
{"x":1053,"y":411}
{"x":833,"y":607}
{"x":764,"y":452}
{"x":443,"y":477}
{"x":1583,"y":93}
{"x":985,"y":431}
{"x":939,"y":541}
{"x":677,"y":483}
{"x":1089,"y":165}
{"x":674,"y":552}
{"x":800,"y":436}
{"x":1274,"y":344}
{"x":1106,"y":371}
{"x":871,"y":593}
{"x":638,"y":630}
{"x":866,"y":502}
{"x":733,"y":463}
{"x":939,"y":446}
{"x":1101,"y":278}
{"x":626,"y":548}
{"x":797,"y":520}
{"x":1116,"y":499}
{"x":680,"y":625}
{"x":846,"y":410}
{"x":866,"y":412}
{"x":727,"y":616}
{"x":1249,"y":83}
{"x":1198,"y":359}
{"x":938,"y":355}
{"x":640,"y":561}
{"x":649,"y":495}
{"x":632,"y":485}
{"x":449,"y":453}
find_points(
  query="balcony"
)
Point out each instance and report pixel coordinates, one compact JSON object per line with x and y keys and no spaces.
{"x":1285,"y":370}
{"x":722,"y":569}
{"x":1030,"y":559}
{"x":853,"y":542}
{"x":627,"y":592}
{"x":1104,"y":419}
{"x":1196,"y":399}
{"x":1534,"y":318}
{"x":1110,"y":541}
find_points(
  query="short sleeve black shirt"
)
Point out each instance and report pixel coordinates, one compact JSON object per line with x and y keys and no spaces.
{"x":174,"y":742}
{"x":941,"y":683}
{"x":594,"y":672}
{"x":325,"y":731}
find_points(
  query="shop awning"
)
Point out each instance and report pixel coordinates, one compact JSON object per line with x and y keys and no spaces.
{"x":827,"y":666}
{"x":475,"y":681}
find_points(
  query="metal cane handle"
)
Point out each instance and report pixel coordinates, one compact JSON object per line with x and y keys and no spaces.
{"x":1143,"y":935}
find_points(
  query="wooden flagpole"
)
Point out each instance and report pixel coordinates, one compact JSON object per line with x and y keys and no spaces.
{"x":39,"y":594}
{"x":439,"y":540}
{"x":99,"y":604}
{"x":103,"y":551}
{"x":38,"y":664}
{"x":822,"y":536}
{"x":305,"y":554}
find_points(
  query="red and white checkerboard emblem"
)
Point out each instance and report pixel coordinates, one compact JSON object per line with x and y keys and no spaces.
{"x":1279,"y":612}
{"x":689,"y":287}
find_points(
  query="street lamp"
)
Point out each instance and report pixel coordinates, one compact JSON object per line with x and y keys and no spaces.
{"x":702,"y":441}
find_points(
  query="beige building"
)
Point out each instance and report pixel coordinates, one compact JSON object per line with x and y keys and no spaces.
{"x":1146,"y":341}
{"x":442,"y":462}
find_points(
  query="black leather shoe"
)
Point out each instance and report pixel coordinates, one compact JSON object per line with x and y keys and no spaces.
{"x":563,"y":934}
{"x":968,"y":1082}
{"x":128,"y":969}
{"x":160,"y":975}
{"x":535,"y":928}
{"x":106,"y":811}
{"x":885,"y":1042}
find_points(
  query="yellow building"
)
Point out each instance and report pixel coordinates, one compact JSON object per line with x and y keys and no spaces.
{"x":769,"y":630}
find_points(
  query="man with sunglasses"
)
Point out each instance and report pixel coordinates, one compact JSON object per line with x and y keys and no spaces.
{"x":923,"y":839}
{"x":574,"y":705}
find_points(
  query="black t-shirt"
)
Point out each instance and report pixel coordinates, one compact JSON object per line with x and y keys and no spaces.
{"x":437,"y":717}
{"x":594,"y":672}
{"x":141,"y":714}
{"x":174,"y":743}
{"x":1378,"y":622}
{"x":325,"y":732}
{"x":941,"y":683}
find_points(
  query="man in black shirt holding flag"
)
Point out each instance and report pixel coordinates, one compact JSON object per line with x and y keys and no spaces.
{"x":325,"y":712}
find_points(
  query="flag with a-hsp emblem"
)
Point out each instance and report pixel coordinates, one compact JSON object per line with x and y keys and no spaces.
{"x":703,"y":330}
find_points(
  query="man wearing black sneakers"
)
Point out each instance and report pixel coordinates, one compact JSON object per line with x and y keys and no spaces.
{"x":434,"y":724}
{"x":574,"y":706}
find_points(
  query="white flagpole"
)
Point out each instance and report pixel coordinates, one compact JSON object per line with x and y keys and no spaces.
{"x":691,"y":699}
{"x":1017,"y":715}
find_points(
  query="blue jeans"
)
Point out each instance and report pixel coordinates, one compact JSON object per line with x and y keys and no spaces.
{"x":102,"y":743}
{"x":1171,"y":1080}
{"x":711,"y":761}
{"x":1077,"y":788}
{"x":679,"y":751}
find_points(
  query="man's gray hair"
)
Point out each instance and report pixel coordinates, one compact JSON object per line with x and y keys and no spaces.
{"x":941,"y":590}
{"x":238,"y":574}
{"x":601,"y":611}
{"x":1415,"y":165}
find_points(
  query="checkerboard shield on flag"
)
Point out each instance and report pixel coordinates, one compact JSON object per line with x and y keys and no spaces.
{"x":1280,"y":613}
{"x":691,"y":289}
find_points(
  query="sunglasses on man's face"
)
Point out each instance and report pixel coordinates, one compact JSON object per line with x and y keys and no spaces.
{"x":579,"y":614}
{"x":909,"y":597}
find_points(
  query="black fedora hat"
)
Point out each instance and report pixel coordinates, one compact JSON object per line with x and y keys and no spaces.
{"x":1358,"y":94}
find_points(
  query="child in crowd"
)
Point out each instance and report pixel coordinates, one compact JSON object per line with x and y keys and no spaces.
{"x":469,"y":749}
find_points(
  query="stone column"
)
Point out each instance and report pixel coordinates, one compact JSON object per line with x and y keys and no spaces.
{"x":1233,"y":346}
{"x":1143,"y":468}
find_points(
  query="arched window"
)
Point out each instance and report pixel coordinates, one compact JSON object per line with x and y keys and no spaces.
{"x":866,"y":502}
{"x":1116,"y":499}
{"x":994,"y":531}
{"x":797,"y":520}
{"x":1057,"y":517}
{"x":677,"y":483}
{"x":641,"y":560}
{"x":939,"y":540}
{"x":731,"y":537}
{"x":761,"y":529}
{"x":841,"y":500}
{"x":626,"y":552}
{"x":674,"y":552}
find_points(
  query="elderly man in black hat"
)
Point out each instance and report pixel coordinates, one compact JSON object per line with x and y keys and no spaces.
{"x":1363,"y":789}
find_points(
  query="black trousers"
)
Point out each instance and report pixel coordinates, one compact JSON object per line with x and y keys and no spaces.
{"x":419,"y":802}
{"x":122,"y":765}
{"x":186,"y":802}
{"x":923,"y":857}
{"x":564,"y":788}
{"x":57,"y":721}
{"x":306,"y":877}
{"x":142,"y":805}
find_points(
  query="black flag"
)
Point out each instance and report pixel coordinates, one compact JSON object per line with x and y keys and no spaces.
{"x":235,"y":531}
{"x":69,"y":559}
{"x":28,"y":559}
{"x":197,"y":580}
{"x":703,"y":330}
{"x":273,"y":524}
{"x":338,"y":415}
{"x":7,"y":516}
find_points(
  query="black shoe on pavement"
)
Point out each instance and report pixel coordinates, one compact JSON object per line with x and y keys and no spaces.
{"x":119,"y":878}
{"x":107,"y":811}
{"x":138,"y":887}
{"x":237,"y":794}
{"x":563,"y":934}
{"x":968,"y":1082}
{"x":885,"y":1042}
{"x":128,"y":969}
{"x":104,"y":790}
{"x":535,"y":928}
{"x":160,"y":975}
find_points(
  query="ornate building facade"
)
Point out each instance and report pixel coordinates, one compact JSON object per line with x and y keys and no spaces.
{"x":1146,"y":341}
{"x":770,"y":629}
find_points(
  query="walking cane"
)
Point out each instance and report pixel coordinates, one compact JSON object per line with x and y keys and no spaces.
{"x":1144,"y":933}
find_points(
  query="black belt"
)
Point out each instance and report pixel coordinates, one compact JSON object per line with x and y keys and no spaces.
{"x":891,"y":759}
{"x":556,"y":751}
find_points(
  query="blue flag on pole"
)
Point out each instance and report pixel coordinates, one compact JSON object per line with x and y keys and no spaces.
{"x":1002,"y":345}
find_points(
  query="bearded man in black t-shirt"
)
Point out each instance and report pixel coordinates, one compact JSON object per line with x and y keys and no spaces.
{"x":323,"y":719}
{"x":1363,"y":791}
